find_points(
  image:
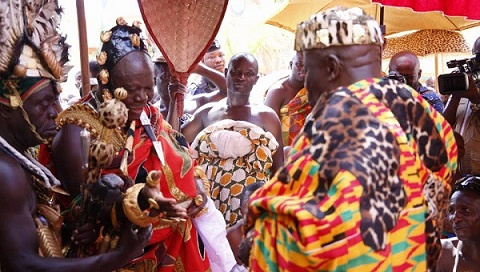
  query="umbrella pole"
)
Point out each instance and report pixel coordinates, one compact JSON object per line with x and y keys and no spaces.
{"x":82,"y":37}
{"x":436,"y":70}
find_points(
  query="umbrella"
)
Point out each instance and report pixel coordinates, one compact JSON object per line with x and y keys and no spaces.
{"x":468,"y":8}
{"x":396,"y":19}
{"x":427,"y":41}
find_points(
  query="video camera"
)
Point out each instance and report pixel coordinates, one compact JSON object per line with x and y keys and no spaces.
{"x":458,"y":82}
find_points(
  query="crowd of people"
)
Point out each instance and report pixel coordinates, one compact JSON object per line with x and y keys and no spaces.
{"x":340,"y":169}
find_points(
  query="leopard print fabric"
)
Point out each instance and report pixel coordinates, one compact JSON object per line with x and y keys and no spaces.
{"x":365,"y":147}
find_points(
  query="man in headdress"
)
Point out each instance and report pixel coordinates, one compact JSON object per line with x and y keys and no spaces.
{"x":365,"y":181}
{"x":134,"y":145}
{"x":32,"y":64}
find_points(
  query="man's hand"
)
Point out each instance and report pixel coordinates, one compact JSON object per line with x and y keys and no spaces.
{"x":472,"y":93}
{"x":133,"y":241}
{"x":164,"y":206}
{"x":175,"y":87}
{"x":85,"y":234}
{"x":200,"y":200}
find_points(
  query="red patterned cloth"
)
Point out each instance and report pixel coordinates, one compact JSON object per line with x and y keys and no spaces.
{"x":174,"y":246}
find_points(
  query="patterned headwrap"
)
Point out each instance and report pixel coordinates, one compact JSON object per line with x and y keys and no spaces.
{"x":32,"y":52}
{"x":117,"y":43}
{"x":338,"y":26}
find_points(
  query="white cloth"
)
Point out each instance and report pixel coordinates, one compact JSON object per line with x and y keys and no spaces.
{"x":212,"y":230}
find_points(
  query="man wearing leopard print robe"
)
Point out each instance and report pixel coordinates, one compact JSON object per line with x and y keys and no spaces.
{"x":366,"y":181}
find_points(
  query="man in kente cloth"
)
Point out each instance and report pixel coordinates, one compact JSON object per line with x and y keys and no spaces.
{"x":366,"y":181}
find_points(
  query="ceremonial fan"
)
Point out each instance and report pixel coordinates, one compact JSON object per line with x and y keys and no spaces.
{"x":183,"y":30}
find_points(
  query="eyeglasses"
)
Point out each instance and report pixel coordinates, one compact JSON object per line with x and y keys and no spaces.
{"x":468,"y":183}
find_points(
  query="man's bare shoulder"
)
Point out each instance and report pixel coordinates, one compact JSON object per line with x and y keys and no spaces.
{"x":262,"y":109}
{"x":13,"y":177}
{"x":280,"y":85}
{"x":447,"y":256}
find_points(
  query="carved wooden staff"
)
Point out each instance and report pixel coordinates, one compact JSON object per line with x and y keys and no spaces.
{"x":83,"y":43}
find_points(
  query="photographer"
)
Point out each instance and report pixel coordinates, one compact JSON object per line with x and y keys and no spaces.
{"x":406,"y":64}
{"x":463,"y":112}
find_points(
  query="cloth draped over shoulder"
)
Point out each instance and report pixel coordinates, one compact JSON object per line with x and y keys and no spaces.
{"x":233,"y":154}
{"x":293,"y":116}
{"x":174,"y":246}
{"x":363,"y":186}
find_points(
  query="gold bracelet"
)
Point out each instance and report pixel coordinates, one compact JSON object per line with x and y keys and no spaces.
{"x":133,"y":211}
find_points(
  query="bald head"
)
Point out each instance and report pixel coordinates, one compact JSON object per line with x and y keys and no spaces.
{"x":406,"y":64}
{"x":476,"y":46}
{"x":246,"y":56}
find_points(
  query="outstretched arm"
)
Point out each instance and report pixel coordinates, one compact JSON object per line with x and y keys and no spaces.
{"x":18,"y":233}
{"x":213,"y":75}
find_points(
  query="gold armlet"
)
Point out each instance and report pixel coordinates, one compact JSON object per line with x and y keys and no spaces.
{"x":132,"y":210}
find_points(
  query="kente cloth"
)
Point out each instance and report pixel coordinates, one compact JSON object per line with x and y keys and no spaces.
{"x":293,"y":115}
{"x":173,"y":246}
{"x":233,"y":154}
{"x":357,"y":188}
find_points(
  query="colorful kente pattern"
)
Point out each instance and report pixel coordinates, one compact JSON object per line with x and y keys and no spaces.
{"x":357,"y":188}
{"x":293,"y":115}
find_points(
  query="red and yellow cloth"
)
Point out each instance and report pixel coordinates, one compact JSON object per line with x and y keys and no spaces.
{"x":293,"y":115}
{"x":362,"y":187}
{"x":174,"y":246}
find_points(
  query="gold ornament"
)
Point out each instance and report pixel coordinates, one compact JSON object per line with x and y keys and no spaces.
{"x":105,"y":36}
{"x":50,"y":57}
{"x":102,"y":58}
{"x":121,"y":21}
{"x":135,"y":39}
{"x":198,"y":200}
{"x":132,"y":210}
{"x":19,"y":70}
{"x":15,"y":101}
{"x":153,"y":178}
{"x":104,"y":76}
{"x":137,"y":24}
{"x":120,"y":93}
{"x":106,"y":95}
